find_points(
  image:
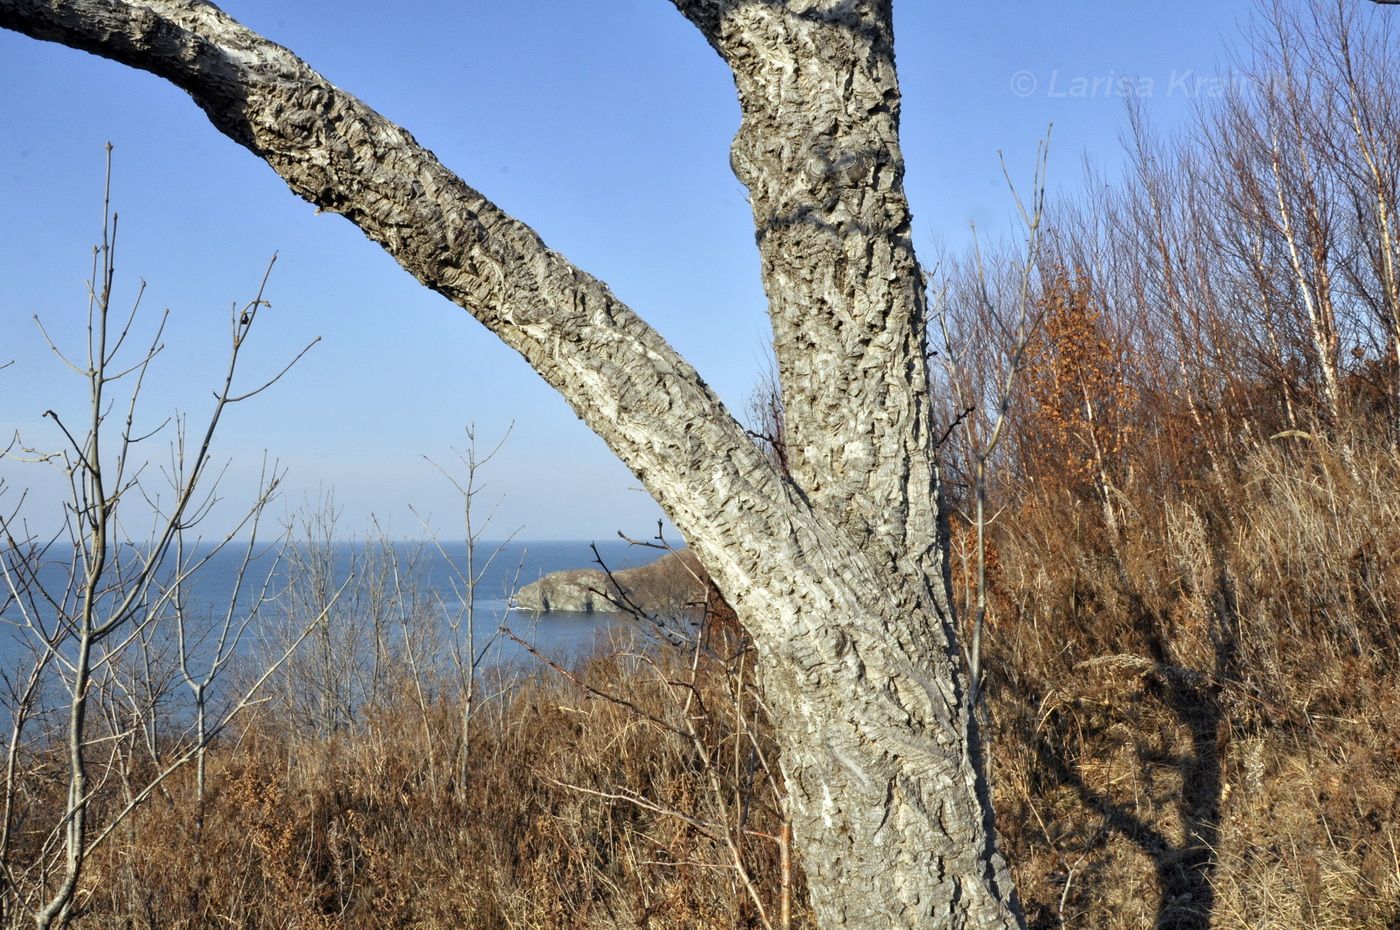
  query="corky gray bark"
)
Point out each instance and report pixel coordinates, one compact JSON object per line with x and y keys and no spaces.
{"x":836,"y":572}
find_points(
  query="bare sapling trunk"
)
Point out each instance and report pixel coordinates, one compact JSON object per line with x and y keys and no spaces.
{"x":1005,"y":332}
{"x":464,"y":651}
{"x":205,"y":655}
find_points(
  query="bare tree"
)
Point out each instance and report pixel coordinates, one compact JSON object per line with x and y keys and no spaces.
{"x":91,"y":603}
{"x":205,"y":647}
{"x":1002,"y":326}
{"x":367,"y":615}
{"x":835,"y":567}
{"x":465,"y":653}
{"x":323,"y":685}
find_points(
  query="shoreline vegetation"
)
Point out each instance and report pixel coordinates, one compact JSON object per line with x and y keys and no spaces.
{"x":1248,"y":781}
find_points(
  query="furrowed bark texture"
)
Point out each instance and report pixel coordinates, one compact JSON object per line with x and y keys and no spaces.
{"x":835,"y":572}
{"x":818,"y":149}
{"x":819,"y":152}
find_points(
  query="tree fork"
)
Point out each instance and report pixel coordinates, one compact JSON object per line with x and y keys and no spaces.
{"x":836,"y":572}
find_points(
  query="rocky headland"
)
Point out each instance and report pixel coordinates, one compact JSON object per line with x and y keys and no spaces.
{"x":666,"y":586}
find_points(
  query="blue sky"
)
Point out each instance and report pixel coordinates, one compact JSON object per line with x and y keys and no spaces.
{"x":604,"y":125}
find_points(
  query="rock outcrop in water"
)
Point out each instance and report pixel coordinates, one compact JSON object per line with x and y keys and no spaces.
{"x":666,"y":586}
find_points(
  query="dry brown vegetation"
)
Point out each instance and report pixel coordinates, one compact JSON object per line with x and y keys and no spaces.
{"x":1194,"y":628}
{"x":581,"y":811}
{"x":1193,"y":724}
{"x":1195,"y":719}
{"x":1192,"y":720}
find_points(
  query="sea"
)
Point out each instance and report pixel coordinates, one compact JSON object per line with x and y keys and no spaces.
{"x":431,"y":574}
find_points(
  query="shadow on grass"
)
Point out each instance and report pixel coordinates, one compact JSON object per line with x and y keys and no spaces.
{"x":1185,"y":869}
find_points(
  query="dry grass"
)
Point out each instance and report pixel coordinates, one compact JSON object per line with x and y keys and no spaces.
{"x":364,"y":831}
{"x":1196,"y":717}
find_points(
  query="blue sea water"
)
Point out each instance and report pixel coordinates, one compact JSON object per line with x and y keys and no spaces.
{"x":432,"y":572}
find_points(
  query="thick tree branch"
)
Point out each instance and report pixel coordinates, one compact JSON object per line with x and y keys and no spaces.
{"x":621,"y":377}
{"x":755,"y":532}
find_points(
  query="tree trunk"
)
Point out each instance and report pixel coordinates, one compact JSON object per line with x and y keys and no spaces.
{"x":836,"y":571}
{"x":880,"y":753}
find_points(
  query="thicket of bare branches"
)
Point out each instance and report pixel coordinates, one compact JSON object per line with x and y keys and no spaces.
{"x":1191,"y":602}
{"x":116,"y":674}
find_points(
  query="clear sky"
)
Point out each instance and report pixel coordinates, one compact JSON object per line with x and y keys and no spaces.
{"x":605,"y":125}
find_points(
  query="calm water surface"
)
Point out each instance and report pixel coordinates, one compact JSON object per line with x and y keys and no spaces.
{"x":430,"y":572}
